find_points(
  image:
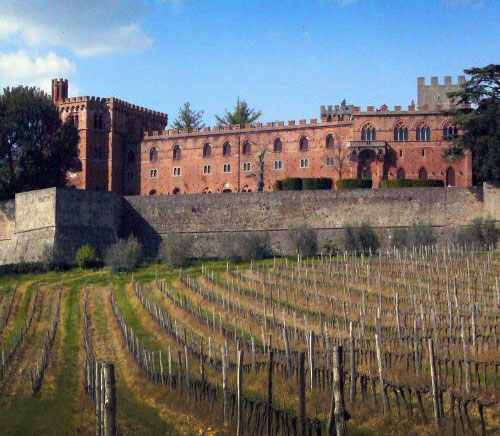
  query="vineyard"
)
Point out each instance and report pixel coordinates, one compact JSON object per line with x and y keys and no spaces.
{"x":390,"y":344}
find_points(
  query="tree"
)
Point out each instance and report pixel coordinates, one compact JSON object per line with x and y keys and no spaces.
{"x":340,"y":158}
{"x":188,"y":118}
{"x":480,"y":122}
{"x":241,"y":115}
{"x":36,"y":149}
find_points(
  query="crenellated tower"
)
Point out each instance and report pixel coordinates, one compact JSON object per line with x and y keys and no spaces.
{"x":59,"y":90}
{"x":436,"y":94}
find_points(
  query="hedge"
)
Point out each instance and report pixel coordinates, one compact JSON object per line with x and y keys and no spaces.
{"x":306,"y":184}
{"x":316,"y":183}
{"x":410,"y":183}
{"x":354,"y":184}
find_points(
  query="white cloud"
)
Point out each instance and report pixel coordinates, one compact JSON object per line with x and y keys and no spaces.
{"x":87,"y":28}
{"x":21,"y":68}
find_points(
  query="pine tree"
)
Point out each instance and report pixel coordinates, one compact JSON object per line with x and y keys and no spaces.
{"x":480,"y":122}
{"x":241,"y":115}
{"x":188,"y":118}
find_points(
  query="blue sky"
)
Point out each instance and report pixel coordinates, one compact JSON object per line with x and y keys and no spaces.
{"x":284,"y":57}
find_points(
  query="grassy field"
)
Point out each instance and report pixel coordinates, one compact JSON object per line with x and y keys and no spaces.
{"x":210,"y":307}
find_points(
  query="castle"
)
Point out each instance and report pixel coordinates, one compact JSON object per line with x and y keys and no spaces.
{"x":125,"y":148}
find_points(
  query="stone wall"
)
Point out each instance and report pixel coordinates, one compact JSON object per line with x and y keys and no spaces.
{"x":61,"y":220}
{"x":207,"y":217}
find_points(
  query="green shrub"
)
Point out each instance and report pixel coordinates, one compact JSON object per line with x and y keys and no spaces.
{"x":86,"y":256}
{"x":311,"y":184}
{"x":354,"y":184}
{"x":304,"y":239}
{"x":410,"y":183}
{"x":125,"y":255}
{"x":175,"y":249}
{"x":480,"y":234}
{"x":400,"y":237}
{"x":361,"y":239}
{"x":246,"y":246}
{"x":328,"y":247}
{"x":292,"y":184}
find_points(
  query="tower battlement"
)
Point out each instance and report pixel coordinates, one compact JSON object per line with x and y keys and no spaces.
{"x":436,"y":94}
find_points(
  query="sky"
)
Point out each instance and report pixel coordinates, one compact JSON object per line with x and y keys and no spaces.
{"x":284,"y":57}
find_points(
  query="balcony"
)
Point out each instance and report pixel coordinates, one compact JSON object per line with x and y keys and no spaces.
{"x":366,"y":144}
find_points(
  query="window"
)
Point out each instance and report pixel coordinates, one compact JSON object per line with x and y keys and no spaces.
{"x":130,"y":157}
{"x":207,"y":150}
{"x":304,"y":163}
{"x":400,"y":153}
{"x":329,"y":161}
{"x":247,"y":166}
{"x":153,"y":154}
{"x":278,"y":164}
{"x":247,"y":148}
{"x":207,"y":169}
{"x":422,"y":174}
{"x":176,"y":153}
{"x":227,"y":168}
{"x":278,"y":145}
{"x":97,"y":121}
{"x":450,"y":133}
{"x":423,"y":152}
{"x":226,"y":149}
{"x":152,"y":192}
{"x":400,"y":132}
{"x":130,"y":175}
{"x":303,"y":144}
{"x":401,"y":174}
{"x":423,"y":132}
{"x":330,"y":142}
{"x":177,"y":171}
{"x":73,"y":121}
{"x":368,"y":133}
{"x":153,"y":173}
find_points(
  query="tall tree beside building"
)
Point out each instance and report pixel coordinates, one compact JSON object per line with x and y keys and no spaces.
{"x":480,"y":122}
{"x":240,"y":116}
{"x":188,"y":118}
{"x":36,"y":149}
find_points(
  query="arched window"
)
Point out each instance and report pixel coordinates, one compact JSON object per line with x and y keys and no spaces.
{"x":422,"y":174}
{"x":207,"y":150}
{"x":278,"y":145}
{"x":303,"y":144}
{"x":247,"y":148}
{"x":130,"y":157}
{"x":450,"y":177}
{"x":423,"y":132}
{"x":330,"y":141}
{"x":176,"y":153}
{"x":368,"y":133}
{"x":153,"y":154}
{"x":401,"y":174}
{"x":400,"y":132}
{"x":450,"y":133}
{"x":226,"y":149}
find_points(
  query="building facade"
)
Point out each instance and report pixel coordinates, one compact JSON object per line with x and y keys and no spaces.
{"x":346,"y":142}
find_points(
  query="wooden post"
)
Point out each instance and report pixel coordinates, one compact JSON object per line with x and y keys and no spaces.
{"x":187,"y":368}
{"x":109,"y":400}
{"x":468,"y":381}
{"x":270,"y":394}
{"x":97,"y":378}
{"x":302,"y":394}
{"x":435,"y":394}
{"x":352,"y":364}
{"x":337,"y":413}
{"x":311,"y":358}
{"x":385,"y":401}
{"x":239,"y":427}
{"x":288,"y":352}
{"x":252,"y":341}
{"x":224,"y":383}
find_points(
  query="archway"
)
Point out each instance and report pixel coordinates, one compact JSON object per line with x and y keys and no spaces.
{"x":365,"y":159}
{"x":401,"y":174}
{"x":176,"y":191}
{"x":422,"y":174}
{"x":450,"y":177}
{"x":152,"y":192}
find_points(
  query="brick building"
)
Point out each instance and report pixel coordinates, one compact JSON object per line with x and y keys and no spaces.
{"x":346,"y":143}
